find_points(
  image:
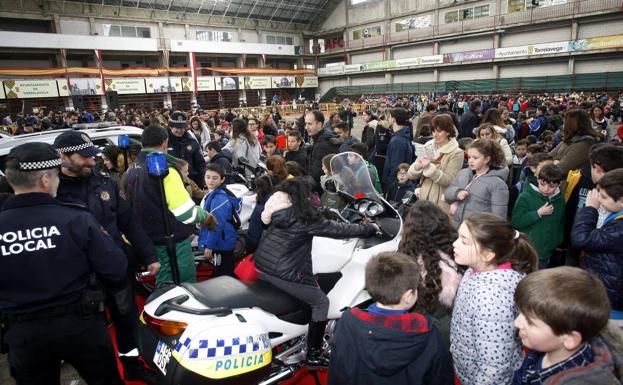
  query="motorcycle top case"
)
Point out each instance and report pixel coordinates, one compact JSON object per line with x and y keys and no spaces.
{"x":224,"y":351}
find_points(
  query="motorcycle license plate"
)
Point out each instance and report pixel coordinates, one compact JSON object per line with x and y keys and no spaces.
{"x":162,"y":356}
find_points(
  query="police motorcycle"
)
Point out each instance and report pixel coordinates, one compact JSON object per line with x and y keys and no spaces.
{"x":224,"y":331}
{"x":243,"y":188}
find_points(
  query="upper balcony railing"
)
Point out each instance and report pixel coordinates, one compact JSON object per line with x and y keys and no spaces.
{"x":569,"y":10}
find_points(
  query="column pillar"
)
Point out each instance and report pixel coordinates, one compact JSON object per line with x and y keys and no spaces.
{"x":187,"y":31}
{"x":193,"y":96}
{"x":242,"y":93}
{"x":92,"y":29}
{"x":436,"y":48}
{"x":389,"y":78}
{"x":260,"y":64}
{"x":496,"y":71}
{"x":436,"y":75}
{"x":571,"y":67}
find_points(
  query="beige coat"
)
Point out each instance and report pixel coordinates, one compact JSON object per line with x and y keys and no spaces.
{"x":435,"y":178}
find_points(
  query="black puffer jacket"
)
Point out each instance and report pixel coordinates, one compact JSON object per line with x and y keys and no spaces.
{"x":285,"y":249}
{"x":324,"y":143}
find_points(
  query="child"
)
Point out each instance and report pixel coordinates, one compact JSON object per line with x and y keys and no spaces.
{"x":464,"y":143}
{"x":521,"y":152}
{"x":195,"y":192}
{"x":563,"y":324}
{"x":483,"y":340}
{"x":540,"y":213}
{"x":219,"y":243}
{"x":269,"y":144}
{"x":328,"y":198}
{"x":283,"y":257}
{"x":221,"y":138}
{"x":397,"y":190}
{"x":529,"y":173}
{"x":482,"y":186}
{"x":604,"y":254}
{"x":385,"y":344}
{"x":362,"y":150}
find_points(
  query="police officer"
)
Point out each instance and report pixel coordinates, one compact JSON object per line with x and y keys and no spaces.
{"x":80,"y":184}
{"x":185,"y":146}
{"x":48,"y":251}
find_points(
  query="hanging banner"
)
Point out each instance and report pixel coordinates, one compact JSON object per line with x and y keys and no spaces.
{"x":63,"y":87}
{"x":352,"y":68}
{"x":605,"y":42}
{"x":205,"y":83}
{"x":35,"y":88}
{"x":125,"y":86}
{"x":85,"y":86}
{"x":433,"y":59}
{"x":226,"y":83}
{"x":257,"y":82}
{"x":549,"y":48}
{"x":379,"y":65}
{"x":523,"y":50}
{"x":158,"y":85}
{"x":306,"y":81}
{"x":184,"y":84}
{"x":283,"y":81}
{"x":458,"y":57}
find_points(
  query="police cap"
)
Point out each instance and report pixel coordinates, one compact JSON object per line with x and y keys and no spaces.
{"x":33,"y":156}
{"x":76,"y":141}
{"x":178,"y":119}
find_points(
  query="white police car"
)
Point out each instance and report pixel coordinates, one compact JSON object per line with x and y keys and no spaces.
{"x":102,"y":135}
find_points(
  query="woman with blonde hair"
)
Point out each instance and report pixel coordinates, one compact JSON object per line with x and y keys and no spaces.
{"x":488,"y":131}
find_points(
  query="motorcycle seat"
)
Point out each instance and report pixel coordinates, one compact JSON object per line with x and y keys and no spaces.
{"x":229,"y":292}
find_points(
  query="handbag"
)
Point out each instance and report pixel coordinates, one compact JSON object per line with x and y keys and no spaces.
{"x":245,"y":271}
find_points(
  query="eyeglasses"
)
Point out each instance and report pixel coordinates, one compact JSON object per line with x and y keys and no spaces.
{"x":403,"y":173}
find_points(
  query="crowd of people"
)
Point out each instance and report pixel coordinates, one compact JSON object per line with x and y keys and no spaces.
{"x":509,"y":269}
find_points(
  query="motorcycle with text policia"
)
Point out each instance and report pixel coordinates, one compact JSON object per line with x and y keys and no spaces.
{"x":225,"y":331}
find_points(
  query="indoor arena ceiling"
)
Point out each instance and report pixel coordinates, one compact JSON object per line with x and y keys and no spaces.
{"x":290,"y":11}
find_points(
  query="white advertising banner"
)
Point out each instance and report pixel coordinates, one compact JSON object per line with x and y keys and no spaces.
{"x":32,"y":88}
{"x":257,"y":82}
{"x":306,"y":81}
{"x":85,"y":86}
{"x":433,"y":59}
{"x":181,"y":84}
{"x":125,"y":86}
{"x":283,"y":81}
{"x":63,"y":87}
{"x":158,"y":85}
{"x":206,"y":83}
{"x":548,"y":48}
{"x":352,"y":68}
{"x":501,"y":53}
{"x":409,"y":62}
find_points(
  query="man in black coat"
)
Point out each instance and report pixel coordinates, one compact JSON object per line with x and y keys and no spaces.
{"x":183,"y":146}
{"x":470,"y":120}
{"x":347,"y":114}
{"x":444,"y":109}
{"x":323,"y":143}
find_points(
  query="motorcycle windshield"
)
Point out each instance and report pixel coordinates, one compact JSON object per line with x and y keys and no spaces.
{"x":351,"y":175}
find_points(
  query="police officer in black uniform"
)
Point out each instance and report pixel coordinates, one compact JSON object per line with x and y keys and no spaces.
{"x":80,"y":184}
{"x":48,"y":254}
{"x":184,"y":146}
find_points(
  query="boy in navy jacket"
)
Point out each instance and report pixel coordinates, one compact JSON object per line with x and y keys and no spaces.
{"x":386,"y":344}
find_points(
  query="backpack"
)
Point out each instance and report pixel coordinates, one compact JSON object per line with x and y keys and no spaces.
{"x":516,"y":107}
{"x":236,"y":204}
